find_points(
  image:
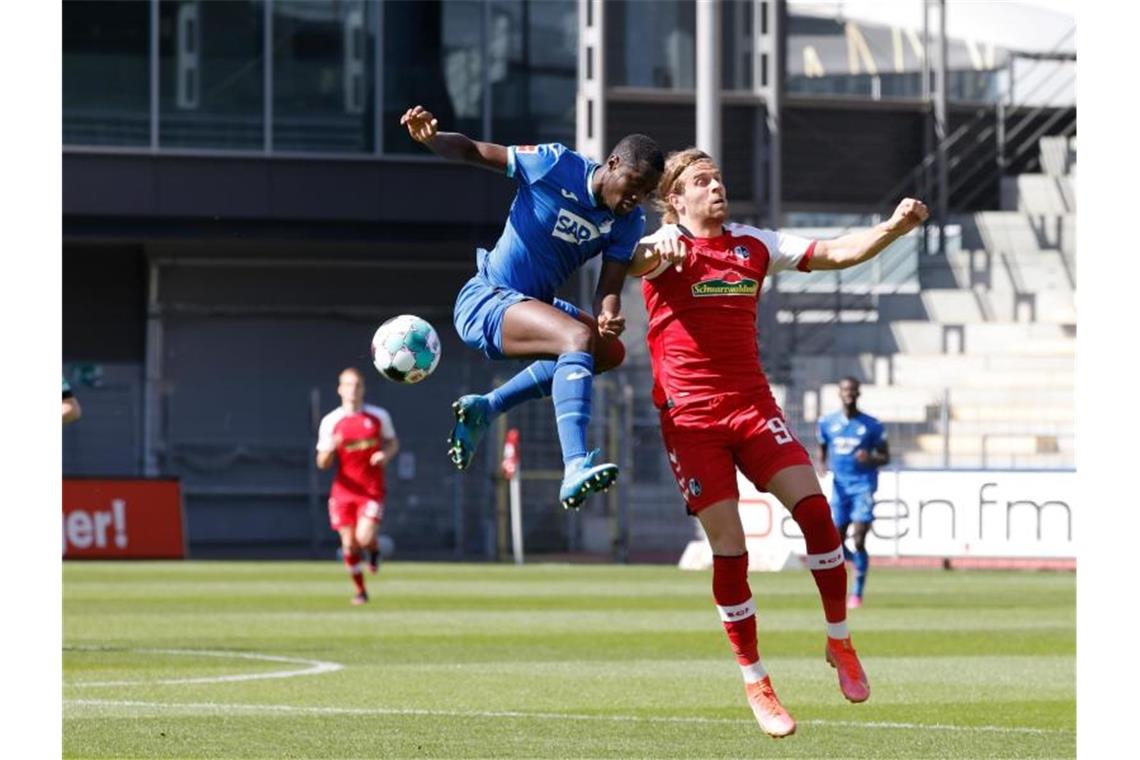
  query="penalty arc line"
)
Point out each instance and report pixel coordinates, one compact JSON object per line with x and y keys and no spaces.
{"x":299,"y":709}
{"x":314,"y":667}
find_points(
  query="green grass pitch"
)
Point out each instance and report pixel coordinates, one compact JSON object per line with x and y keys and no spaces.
{"x":268,"y":660}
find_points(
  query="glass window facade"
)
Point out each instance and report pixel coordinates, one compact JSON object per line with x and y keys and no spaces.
{"x":502,"y":70}
{"x":434,"y":57}
{"x":736,"y":45}
{"x":493,"y":69}
{"x":322,"y":75}
{"x":651,"y":44}
{"x":211,"y":74}
{"x":533,"y":54}
{"x":106,"y":73}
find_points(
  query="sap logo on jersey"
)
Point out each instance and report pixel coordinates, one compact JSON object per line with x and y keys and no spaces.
{"x":573,"y":228}
{"x":844,"y":445}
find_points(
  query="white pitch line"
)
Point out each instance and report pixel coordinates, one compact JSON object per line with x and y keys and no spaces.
{"x":226,"y":707}
{"x":315,"y":667}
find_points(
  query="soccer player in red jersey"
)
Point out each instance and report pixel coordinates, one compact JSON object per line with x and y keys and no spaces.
{"x":702,"y":279}
{"x":363,"y":438}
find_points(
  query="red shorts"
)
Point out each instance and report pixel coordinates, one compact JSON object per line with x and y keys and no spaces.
{"x":708,"y":440}
{"x":345,"y":511}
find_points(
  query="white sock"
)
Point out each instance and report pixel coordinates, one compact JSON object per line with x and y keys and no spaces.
{"x":754,"y":672}
{"x":837,"y":630}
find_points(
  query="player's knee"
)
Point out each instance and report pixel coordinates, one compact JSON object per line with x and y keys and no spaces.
{"x":609,"y":353}
{"x":813,"y":515}
{"x":578,"y":338}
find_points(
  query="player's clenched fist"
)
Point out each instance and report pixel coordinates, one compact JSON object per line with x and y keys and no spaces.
{"x":422,"y":126}
{"x":610,"y":325}
{"x":672,"y":250}
{"x":908,"y":214}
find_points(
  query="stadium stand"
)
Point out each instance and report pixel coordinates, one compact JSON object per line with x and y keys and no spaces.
{"x":976,"y":365}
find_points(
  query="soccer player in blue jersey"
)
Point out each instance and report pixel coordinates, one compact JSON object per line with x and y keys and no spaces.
{"x":567,"y":210}
{"x":855,"y":446}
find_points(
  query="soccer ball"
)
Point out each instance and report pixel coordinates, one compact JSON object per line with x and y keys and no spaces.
{"x":405,"y":349}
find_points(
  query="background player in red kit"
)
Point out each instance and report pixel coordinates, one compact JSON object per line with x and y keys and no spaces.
{"x":702,"y":286}
{"x":363,"y":438}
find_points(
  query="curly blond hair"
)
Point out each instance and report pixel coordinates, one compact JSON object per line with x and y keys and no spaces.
{"x":670,"y":184}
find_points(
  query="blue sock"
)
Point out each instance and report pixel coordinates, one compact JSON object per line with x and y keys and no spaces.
{"x":862,"y":562}
{"x":571,"y":391}
{"x":532,"y":383}
{"x":847,"y":553}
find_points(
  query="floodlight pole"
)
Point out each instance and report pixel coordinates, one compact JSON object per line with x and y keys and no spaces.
{"x":708,"y":77}
{"x":941,"y":128}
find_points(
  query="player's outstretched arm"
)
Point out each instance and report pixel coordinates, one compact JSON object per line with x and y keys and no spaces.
{"x":645,"y":260}
{"x":651,"y":252}
{"x":607,"y":298}
{"x":424,"y":128}
{"x":856,"y":247}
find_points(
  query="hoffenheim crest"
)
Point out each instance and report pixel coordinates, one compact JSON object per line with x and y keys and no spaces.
{"x":740,"y":251}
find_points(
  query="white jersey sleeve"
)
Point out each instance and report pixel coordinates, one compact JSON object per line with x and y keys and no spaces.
{"x":388,"y":430}
{"x":784,"y":251}
{"x":325,"y":431}
{"x":663,"y":232}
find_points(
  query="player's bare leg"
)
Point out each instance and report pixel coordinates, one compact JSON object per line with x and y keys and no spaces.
{"x":474,"y":412}
{"x":733,"y":598}
{"x":534,"y":329}
{"x":367,"y":530}
{"x":531,"y":329}
{"x":797,"y":488}
{"x":352,"y":557}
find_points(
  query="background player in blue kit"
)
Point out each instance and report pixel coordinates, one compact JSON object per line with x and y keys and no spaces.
{"x":855,"y":445}
{"x":567,"y":210}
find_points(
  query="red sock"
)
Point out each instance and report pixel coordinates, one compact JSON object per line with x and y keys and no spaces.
{"x":733,"y":600}
{"x":352,"y":562}
{"x":825,"y":555}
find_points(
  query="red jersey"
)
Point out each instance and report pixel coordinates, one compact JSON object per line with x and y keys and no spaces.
{"x":361,"y":435}
{"x":702,"y":320}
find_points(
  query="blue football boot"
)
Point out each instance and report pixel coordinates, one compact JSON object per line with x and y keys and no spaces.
{"x":584,"y":478}
{"x":472,"y":418}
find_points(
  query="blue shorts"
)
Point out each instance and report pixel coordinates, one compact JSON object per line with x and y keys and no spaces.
{"x":479,"y":311}
{"x":852,"y":506}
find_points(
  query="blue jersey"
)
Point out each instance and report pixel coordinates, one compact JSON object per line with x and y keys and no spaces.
{"x":555,"y":224}
{"x":843,"y":437}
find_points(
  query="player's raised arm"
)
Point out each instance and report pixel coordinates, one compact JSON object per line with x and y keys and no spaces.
{"x":856,"y":247}
{"x":424,"y":128}
{"x":657,"y":251}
